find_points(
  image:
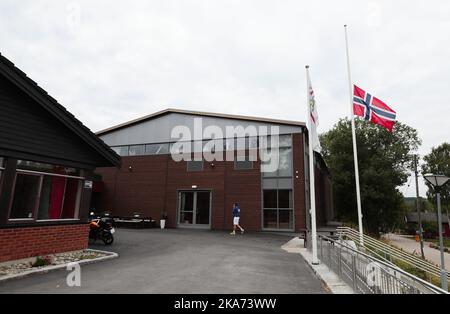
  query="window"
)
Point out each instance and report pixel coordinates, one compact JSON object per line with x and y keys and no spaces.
{"x":284,"y":159}
{"x":243,"y":165}
{"x":1,"y":169}
{"x":180,"y":149}
{"x":45,"y":192}
{"x":278,"y":209}
{"x":285,"y":162}
{"x":121,"y":150}
{"x":214,"y":145}
{"x":283,"y":141}
{"x":46,"y":168}
{"x":59,"y":198}
{"x":157,"y":149}
{"x":270,"y":199}
{"x":26,"y":190}
{"x":136,"y":150}
{"x":246,"y":152}
{"x":194,"y":165}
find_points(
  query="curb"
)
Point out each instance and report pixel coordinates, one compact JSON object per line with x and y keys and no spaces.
{"x":332,"y":283}
{"x":109,"y":255}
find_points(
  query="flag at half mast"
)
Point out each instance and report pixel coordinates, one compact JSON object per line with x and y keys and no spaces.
{"x":313,"y":116}
{"x":372,"y":109}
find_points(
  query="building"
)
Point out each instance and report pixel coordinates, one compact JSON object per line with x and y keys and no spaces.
{"x":200,"y":193}
{"x":47,"y":161}
{"x":412,"y":219}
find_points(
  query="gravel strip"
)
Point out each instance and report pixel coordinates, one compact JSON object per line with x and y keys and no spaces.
{"x":52,"y":261}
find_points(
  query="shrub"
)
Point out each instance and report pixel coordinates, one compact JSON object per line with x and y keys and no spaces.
{"x":42,"y":261}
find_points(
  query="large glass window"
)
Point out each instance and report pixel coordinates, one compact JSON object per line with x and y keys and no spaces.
{"x":270,"y":199}
{"x":26,"y":192}
{"x":59,"y":198}
{"x":278,"y":210}
{"x":46,"y":192}
{"x":284,"y":159}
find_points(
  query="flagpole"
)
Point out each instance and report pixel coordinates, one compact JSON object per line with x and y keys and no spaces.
{"x":355,"y":149}
{"x":315,"y":260}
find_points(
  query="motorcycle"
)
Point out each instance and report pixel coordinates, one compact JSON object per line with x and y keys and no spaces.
{"x":102,"y":229}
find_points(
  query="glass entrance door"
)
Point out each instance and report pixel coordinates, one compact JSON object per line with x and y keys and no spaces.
{"x":194,"y":209}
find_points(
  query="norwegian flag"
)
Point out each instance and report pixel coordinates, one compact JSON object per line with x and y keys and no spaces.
{"x":372,"y":109}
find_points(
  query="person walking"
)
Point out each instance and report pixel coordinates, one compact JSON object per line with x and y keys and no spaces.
{"x":236,"y":218}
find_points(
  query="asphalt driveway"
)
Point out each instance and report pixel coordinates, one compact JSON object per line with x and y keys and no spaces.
{"x":186,"y":262}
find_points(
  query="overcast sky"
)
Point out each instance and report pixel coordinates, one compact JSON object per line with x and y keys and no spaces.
{"x":108,"y":62}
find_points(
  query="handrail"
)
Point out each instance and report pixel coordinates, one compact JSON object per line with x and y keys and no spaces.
{"x":393,"y":251}
{"x":406,"y":257}
{"x":413,"y":260}
{"x":387,"y":265}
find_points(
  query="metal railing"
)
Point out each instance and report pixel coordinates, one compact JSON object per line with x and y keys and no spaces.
{"x":367,"y":274}
{"x":390,"y":253}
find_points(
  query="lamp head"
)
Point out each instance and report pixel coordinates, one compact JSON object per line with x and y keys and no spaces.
{"x":436,"y":180}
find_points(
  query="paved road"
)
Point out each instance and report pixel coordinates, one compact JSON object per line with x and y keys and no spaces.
{"x":410,"y":245}
{"x":185,"y":261}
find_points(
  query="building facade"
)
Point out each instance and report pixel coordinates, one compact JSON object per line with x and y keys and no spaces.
{"x":47,"y":161}
{"x":201,"y":193}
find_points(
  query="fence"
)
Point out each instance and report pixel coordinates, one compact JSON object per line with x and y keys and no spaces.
{"x":390,"y":253}
{"x":367,"y":274}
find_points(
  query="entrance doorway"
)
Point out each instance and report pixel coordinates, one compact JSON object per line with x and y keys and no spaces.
{"x":194,"y":209}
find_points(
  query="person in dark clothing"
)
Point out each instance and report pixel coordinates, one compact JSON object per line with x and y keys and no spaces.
{"x":236,"y":218}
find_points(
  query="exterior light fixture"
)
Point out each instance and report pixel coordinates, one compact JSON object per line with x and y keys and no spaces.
{"x":438,"y":181}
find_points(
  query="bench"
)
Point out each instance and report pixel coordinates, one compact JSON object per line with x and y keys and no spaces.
{"x":135,"y":222}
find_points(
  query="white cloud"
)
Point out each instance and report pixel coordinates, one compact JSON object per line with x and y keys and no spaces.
{"x":108,"y":63}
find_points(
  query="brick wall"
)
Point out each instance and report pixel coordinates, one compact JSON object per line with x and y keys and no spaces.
{"x":150,"y":186}
{"x":25,"y":242}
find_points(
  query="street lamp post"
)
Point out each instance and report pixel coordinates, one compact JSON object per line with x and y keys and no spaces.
{"x":437,"y":181}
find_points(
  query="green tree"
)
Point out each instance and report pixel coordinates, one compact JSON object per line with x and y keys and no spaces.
{"x":384,"y":165}
{"x":438,"y":162}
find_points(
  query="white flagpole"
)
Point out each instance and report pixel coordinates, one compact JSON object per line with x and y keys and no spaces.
{"x":312,"y":190}
{"x":355,"y":149}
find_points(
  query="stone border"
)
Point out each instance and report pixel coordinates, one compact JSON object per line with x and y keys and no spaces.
{"x":326,"y":275}
{"x":47,"y":269}
{"x":328,"y":278}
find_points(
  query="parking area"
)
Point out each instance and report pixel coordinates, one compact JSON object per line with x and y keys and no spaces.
{"x":186,"y":262}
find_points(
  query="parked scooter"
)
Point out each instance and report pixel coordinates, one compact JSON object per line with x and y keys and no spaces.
{"x":102,"y":229}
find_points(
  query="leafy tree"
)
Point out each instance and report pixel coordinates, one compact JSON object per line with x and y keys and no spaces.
{"x":384,"y":165}
{"x":438,"y":162}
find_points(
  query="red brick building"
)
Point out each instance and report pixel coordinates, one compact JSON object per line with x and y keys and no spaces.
{"x":47,"y":160}
{"x":200,"y":194}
